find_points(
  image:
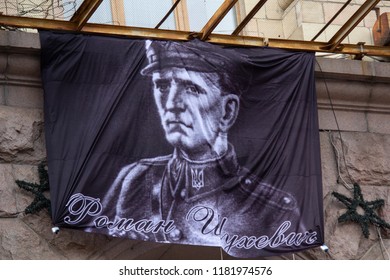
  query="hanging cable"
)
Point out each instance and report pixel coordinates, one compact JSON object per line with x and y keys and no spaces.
{"x":382,"y":245}
{"x":338,"y":130}
{"x":337,"y":154}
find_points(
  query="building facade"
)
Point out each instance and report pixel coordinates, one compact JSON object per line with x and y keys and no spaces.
{"x":354,"y":117}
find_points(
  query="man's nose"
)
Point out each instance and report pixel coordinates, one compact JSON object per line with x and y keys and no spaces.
{"x":175,"y":102}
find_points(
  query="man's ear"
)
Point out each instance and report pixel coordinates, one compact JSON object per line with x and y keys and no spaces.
{"x":231,"y":104}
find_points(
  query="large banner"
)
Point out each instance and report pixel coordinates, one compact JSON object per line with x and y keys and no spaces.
{"x":183,"y":142}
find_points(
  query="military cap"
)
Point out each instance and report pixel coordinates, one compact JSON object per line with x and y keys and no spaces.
{"x":198,"y":56}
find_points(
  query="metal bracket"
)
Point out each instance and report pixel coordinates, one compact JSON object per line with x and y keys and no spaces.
{"x":362,"y":53}
{"x":194,"y":35}
{"x":265,"y":42}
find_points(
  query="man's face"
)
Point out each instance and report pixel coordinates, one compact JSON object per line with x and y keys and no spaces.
{"x":190,"y":106}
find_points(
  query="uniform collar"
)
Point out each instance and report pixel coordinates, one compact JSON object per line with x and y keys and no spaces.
{"x":227,"y":162}
{"x":193,"y":180}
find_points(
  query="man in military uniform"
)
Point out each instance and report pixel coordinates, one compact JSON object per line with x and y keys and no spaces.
{"x":199,"y":193}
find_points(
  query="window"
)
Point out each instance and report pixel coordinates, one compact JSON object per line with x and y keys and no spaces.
{"x":148,"y":13}
{"x":189,"y":15}
{"x":103,"y":14}
{"x":200,"y":11}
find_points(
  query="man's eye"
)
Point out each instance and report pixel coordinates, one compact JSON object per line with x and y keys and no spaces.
{"x":193,"y":89}
{"x":162,"y":86}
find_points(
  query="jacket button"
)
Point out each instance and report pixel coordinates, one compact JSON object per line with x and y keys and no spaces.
{"x":175,"y":235}
{"x":183,"y":193}
{"x":286,"y":200}
{"x":248,"y":181}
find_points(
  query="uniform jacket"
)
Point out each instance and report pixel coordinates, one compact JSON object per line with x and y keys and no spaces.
{"x":210,"y":202}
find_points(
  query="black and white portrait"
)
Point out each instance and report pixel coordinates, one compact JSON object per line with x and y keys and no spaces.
{"x":198,"y":144}
{"x":201,"y":188}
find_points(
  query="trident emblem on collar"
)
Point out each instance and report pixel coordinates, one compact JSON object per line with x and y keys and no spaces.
{"x":197,"y":178}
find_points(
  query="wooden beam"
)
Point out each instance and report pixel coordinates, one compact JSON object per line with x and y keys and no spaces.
{"x":25,"y":22}
{"x":243,"y":41}
{"x":136,"y":32}
{"x":216,"y":18}
{"x":118,"y":12}
{"x":151,"y":33}
{"x":352,"y":22}
{"x":168,"y":14}
{"x":249,"y":16}
{"x":297,"y":45}
{"x":84,"y":12}
{"x":331,"y":20}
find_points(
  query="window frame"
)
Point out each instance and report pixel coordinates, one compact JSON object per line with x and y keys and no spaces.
{"x":182,"y":20}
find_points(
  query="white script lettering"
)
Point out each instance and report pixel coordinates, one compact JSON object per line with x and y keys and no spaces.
{"x":81,"y":206}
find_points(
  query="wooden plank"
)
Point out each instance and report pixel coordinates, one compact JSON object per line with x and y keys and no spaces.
{"x":84,"y":12}
{"x":331,"y":20}
{"x":168,"y":14}
{"x":352,"y":22}
{"x":249,"y":16}
{"x":151,"y":33}
{"x":25,"y":22}
{"x":216,"y":18}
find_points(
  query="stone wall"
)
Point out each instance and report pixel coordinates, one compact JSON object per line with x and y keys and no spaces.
{"x":303,"y":19}
{"x":360,"y":97}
